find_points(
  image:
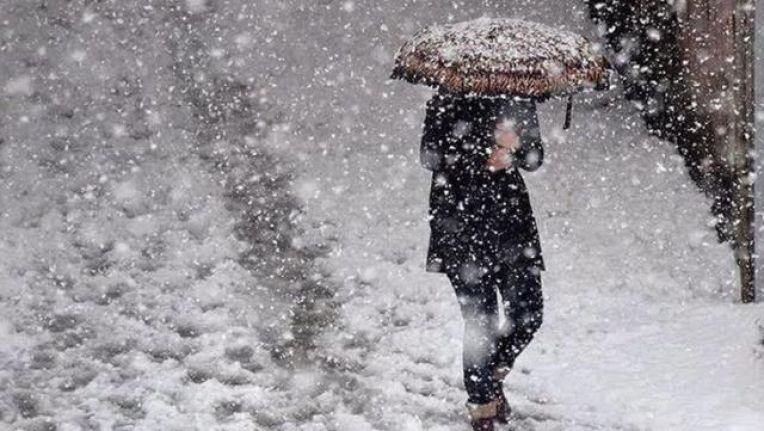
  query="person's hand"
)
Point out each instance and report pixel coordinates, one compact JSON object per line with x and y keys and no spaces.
{"x":507,"y":142}
{"x":506,"y":135}
{"x":500,"y":158}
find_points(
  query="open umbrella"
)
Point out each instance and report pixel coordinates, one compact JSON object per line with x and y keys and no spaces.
{"x":500,"y":56}
{"x":492,"y":56}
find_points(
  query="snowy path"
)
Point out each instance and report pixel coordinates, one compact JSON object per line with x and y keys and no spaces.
{"x":640,"y":332}
{"x":146,"y":278}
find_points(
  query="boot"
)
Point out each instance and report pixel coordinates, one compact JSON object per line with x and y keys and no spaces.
{"x":482,"y":415}
{"x":503,"y":411}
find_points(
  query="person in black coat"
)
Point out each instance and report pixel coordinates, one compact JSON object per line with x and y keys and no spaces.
{"x":483,"y":233}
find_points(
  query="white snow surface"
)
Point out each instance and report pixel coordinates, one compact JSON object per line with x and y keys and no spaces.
{"x":124,"y":303}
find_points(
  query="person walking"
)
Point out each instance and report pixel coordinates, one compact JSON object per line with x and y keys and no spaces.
{"x":483,"y":233}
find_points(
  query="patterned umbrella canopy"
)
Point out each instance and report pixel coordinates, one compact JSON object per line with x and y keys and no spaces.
{"x":501,"y":56}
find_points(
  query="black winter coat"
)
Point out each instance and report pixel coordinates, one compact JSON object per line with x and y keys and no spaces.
{"x":479,"y":219}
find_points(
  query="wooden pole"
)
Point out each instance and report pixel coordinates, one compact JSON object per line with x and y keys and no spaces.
{"x":717,"y":38}
{"x":743,"y":147}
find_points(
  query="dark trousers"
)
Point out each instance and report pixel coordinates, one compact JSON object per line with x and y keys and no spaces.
{"x":486,"y":345}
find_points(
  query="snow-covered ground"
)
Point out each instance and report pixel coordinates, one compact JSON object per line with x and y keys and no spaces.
{"x":146,"y":155}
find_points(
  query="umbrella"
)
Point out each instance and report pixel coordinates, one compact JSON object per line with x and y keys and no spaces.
{"x":501,"y":56}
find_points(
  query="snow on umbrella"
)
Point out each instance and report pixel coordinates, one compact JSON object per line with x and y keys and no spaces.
{"x":501,"y":56}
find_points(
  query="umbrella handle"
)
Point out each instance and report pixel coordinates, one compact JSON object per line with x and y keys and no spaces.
{"x":568,"y":113}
